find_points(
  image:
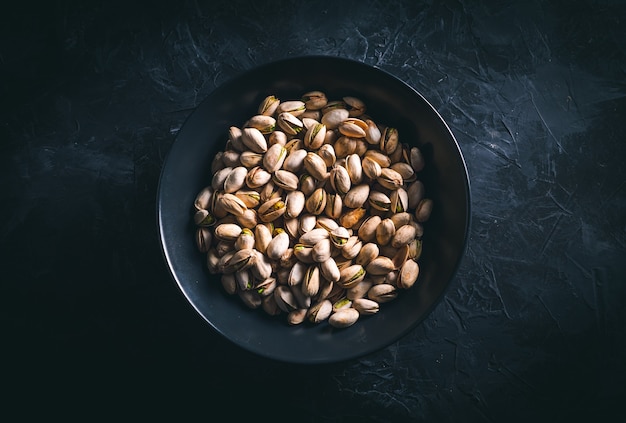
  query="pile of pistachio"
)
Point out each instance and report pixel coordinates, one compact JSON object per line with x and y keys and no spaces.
{"x":314,"y":211}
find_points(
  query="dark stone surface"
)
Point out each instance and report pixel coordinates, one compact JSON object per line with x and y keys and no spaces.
{"x":92,"y":97}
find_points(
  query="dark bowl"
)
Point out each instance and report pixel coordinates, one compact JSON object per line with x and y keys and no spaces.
{"x":389,"y":100}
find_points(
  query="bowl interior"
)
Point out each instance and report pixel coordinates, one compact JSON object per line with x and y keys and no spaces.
{"x":390,"y":101}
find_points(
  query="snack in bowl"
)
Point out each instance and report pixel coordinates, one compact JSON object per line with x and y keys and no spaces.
{"x":314,"y":210}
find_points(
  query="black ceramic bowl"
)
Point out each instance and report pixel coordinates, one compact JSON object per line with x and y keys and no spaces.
{"x":389,"y":100}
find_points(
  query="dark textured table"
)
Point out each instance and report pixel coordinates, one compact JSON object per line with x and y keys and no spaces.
{"x":532,"y":327}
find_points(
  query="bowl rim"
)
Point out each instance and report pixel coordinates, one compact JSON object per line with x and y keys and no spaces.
{"x":167,"y":256}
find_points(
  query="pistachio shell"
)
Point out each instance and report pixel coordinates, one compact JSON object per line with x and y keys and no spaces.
{"x":233,"y":204}
{"x":295,"y":107}
{"x":403,"y":236}
{"x":371,"y":169}
{"x":254,"y":140}
{"x":365,"y":307}
{"x":354,"y":168}
{"x":357,"y":196}
{"x":382,"y":293}
{"x":360,"y":289}
{"x":381,"y":265}
{"x":250,"y":159}
{"x":297,"y":316}
{"x":285,"y":299}
{"x":340,"y":180}
{"x":320,"y":311}
{"x":339,"y":236}
{"x":352,"y":218}
{"x":271,"y":210}
{"x":352,"y":247}
{"x":250,"y":298}
{"x":368,"y":253}
{"x":389,"y":140}
{"x":311,"y":282}
{"x":316,"y":203}
{"x":321,"y":251}
{"x":289,"y":123}
{"x":296,"y":275}
{"x":355,"y":106}
{"x":227,"y":231}
{"x":385,"y":231}
{"x":269,"y":105}
{"x":415,"y":193}
{"x":257,"y":177}
{"x":315,"y":166}
{"x":245,"y":240}
{"x":278,"y":245}
{"x":274,"y":157}
{"x":285,"y":180}
{"x":379,"y":201}
{"x":294,"y":162}
{"x":372,"y":134}
{"x":268,"y":304}
{"x":417,"y":159}
{"x":343,"y":318}
{"x":367,"y":231}
{"x":334,"y":206}
{"x":277,"y":137}
{"x":334,"y":117}
{"x":399,"y":200}
{"x":423,"y":210}
{"x":329,"y":270}
{"x":314,"y":100}
{"x":313,"y":236}
{"x":217,"y":182}
{"x":204,"y":238}
{"x":229,"y":283}
{"x":408,"y":274}
{"x":327,"y":153}
{"x":294,"y":203}
{"x":315,"y":136}
{"x":382,"y":159}
{"x":264,"y":123}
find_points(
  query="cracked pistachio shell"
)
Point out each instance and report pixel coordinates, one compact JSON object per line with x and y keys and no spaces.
{"x":356,"y":106}
{"x":415,"y":249}
{"x":405,"y":170}
{"x":295,"y":107}
{"x":217,"y":182}
{"x":234,"y":137}
{"x":321,"y":251}
{"x":250,"y":298}
{"x":320,"y":311}
{"x":368,"y":253}
{"x":294,"y":162}
{"x":297,"y":316}
{"x":307,"y":223}
{"x":203,"y":218}
{"x":352,"y":247}
{"x":379,"y":201}
{"x":243,"y":279}
{"x":294,"y":203}
{"x":303,"y":300}
{"x":385,"y":232}
{"x":365,"y":307}
{"x":269,"y":191}
{"x":291,"y":225}
{"x":390,"y":179}
{"x":257,"y":177}
{"x":423,"y":210}
{"x":304,"y":253}
{"x":344,"y":146}
{"x":372,"y":134}
{"x":339,"y":236}
{"x":351,"y":275}
{"x":315,"y":166}
{"x":250,"y":159}
{"x":327,"y":223}
{"x":277,"y":137}
{"x":350,"y":128}
{"x":264,"y":123}
{"x":400,"y":257}
{"x":268,"y":304}
{"x":343,"y":318}
{"x":254,"y":140}
{"x":329,"y":270}
{"x":381,"y":265}
{"x":308,"y":122}
{"x":401,"y":219}
{"x":408,"y":274}
{"x":382,"y":293}
{"x":334,"y":206}
{"x":274,"y":157}
{"x":278,"y":245}
{"x":233,"y":204}
{"x":399,"y":200}
{"x":229,"y":283}
{"x":271,"y":210}
{"x":314,"y":100}
{"x":357,"y":196}
{"x":289,"y":123}
{"x":212,"y":261}
{"x":249,"y":197}
{"x":334,"y":117}
{"x":248,"y":219}
{"x":340,"y":180}
{"x":367,"y":231}
{"x":285,"y":180}
{"x":352,"y":218}
{"x":237,"y":260}
{"x":308,"y":184}
{"x":204,"y":237}
{"x":311,"y":282}
{"x":341,"y":304}
{"x":296,"y":274}
{"x":203,"y":199}
{"x":359,"y":290}
{"x":315,"y":136}
{"x":262,"y":237}
{"x":316,"y":203}
{"x":269,"y":105}
{"x":327,"y":153}
{"x":334,"y":104}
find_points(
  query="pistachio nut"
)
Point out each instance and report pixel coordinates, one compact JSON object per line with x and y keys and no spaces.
{"x":329,"y":270}
{"x":304,"y":253}
{"x":315,"y":166}
{"x":408,"y":274}
{"x":217,"y":182}
{"x":288,"y":259}
{"x":243,"y":278}
{"x":321,"y":251}
{"x":313,"y":236}
{"x":316,"y":203}
{"x":285,"y":180}
{"x":277,"y":137}
{"x":250,"y":159}
{"x":399,"y":200}
{"x":227,"y":231}
{"x":203,"y":218}
{"x":381,"y":265}
{"x":268,"y":304}
{"x":401,"y":219}
{"x":342,"y":303}
{"x":343,"y":318}
{"x":203,"y":199}
{"x":326,"y":288}
{"x":359,"y":290}
{"x":352,"y":247}
{"x":382,"y":159}
{"x":249,"y":197}
{"x":234,"y":137}
{"x":262,"y":237}
{"x":254,"y":140}
{"x":311,"y":282}
{"x":389,"y":140}
{"x":212,"y":261}
{"x":372,"y":134}
{"x":344,"y":146}
{"x":264,"y":123}
{"x":365,"y":307}
{"x":355,"y":106}
{"x":390,"y":179}
{"x":294,"y":162}
{"x":278,"y":245}
{"x":289,"y":123}
{"x":357,"y":196}
{"x":297,"y":316}
{"x":285,"y":299}
{"x":369,"y":252}
{"x":350,"y":128}
{"x":339,"y":236}
{"x":314,"y":100}
{"x":307,"y":223}
{"x":295,"y":107}
{"x":269,"y":105}
{"x":415,"y":193}
{"x":417,"y":159}
{"x":334,"y":206}
{"x":233,"y":204}
{"x":248,"y":219}
{"x":303,"y":300}
{"x":385,"y":231}
{"x":297,"y":272}
{"x":382,"y":293}
{"x":379,"y":201}
{"x":271,"y":210}
{"x":320,"y":311}
{"x":204,"y":238}
{"x":274,"y":157}
{"x":294,"y":203}
{"x":367,"y":231}
{"x":237,"y":260}
{"x":371,"y":169}
{"x":403,"y":236}
{"x":217,"y":163}
{"x":354,"y":168}
{"x":332,"y":118}
{"x":230,"y":158}
{"x":415,"y":249}
{"x":340,"y":180}
{"x":224,"y":247}
{"x":257,"y":177}
{"x":327,"y":153}
{"x":315,"y":136}
{"x":423,"y":210}
{"x":308,"y":184}
{"x":405,"y":170}
{"x":400,"y":257}
{"x":269,"y":191}
{"x":291,"y":225}
{"x":250,"y":298}
{"x":229,"y":283}
{"x":245,"y":240}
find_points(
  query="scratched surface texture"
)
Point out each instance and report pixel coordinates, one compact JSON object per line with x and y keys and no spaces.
{"x":92,"y":96}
